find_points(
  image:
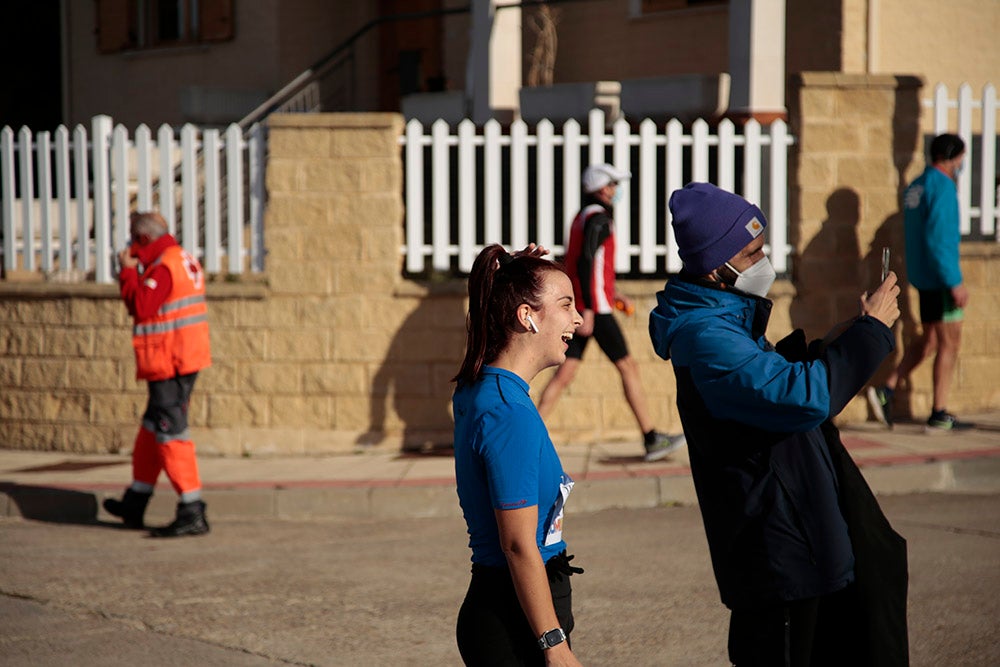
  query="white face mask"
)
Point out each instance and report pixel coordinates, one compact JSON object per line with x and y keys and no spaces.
{"x":756,"y":280}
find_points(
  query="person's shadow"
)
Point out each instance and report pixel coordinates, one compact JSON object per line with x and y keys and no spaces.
{"x":837,"y":273}
{"x":829,"y":275}
{"x":51,"y":504}
{"x":891,"y":235}
{"x":411,"y":391}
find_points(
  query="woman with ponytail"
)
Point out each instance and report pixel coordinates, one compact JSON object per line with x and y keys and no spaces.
{"x":511,"y":485}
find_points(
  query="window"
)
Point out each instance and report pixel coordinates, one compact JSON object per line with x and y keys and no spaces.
{"x":124,"y":25}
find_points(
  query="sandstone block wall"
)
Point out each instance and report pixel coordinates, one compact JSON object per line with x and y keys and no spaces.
{"x":859,"y":144}
{"x":333,"y":350}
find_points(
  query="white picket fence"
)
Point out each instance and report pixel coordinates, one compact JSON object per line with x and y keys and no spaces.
{"x":464,"y":188}
{"x":978,"y":187}
{"x":519,"y":187}
{"x":209,"y":187}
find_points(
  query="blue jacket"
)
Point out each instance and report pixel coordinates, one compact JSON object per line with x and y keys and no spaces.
{"x":766,"y":486}
{"x":930,"y":218}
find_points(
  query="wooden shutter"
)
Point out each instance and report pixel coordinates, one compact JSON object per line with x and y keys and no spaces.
{"x":215,"y":20}
{"x":113,"y":26}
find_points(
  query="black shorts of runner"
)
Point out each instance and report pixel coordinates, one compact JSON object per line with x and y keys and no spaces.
{"x":607,"y":334}
{"x":937,"y":305}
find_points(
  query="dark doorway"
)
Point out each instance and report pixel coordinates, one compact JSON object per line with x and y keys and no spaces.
{"x":410,"y":53}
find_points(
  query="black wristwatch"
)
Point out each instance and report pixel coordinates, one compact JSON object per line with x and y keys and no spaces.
{"x":551,"y":638}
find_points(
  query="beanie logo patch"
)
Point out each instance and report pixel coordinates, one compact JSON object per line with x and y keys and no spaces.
{"x":754,"y":227}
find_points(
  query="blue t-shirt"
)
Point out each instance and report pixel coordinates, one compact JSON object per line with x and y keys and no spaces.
{"x":504,"y":459}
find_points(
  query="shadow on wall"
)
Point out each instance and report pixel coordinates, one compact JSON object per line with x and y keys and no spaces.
{"x":829,"y":273}
{"x":414,"y":379}
{"x":890,"y":234}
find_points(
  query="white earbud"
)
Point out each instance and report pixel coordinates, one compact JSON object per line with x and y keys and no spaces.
{"x":531,"y":323}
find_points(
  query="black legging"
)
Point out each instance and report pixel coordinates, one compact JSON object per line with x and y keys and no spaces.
{"x":816,"y":632}
{"x":492,"y":629}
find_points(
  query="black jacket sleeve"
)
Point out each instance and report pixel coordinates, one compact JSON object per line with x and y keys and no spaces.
{"x":854,"y":356}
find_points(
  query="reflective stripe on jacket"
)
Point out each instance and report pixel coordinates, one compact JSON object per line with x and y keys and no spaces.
{"x":175,"y":341}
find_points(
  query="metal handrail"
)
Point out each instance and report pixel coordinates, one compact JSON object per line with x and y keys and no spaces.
{"x":313,"y":73}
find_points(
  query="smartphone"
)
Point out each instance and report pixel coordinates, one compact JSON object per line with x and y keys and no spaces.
{"x":885,"y":263}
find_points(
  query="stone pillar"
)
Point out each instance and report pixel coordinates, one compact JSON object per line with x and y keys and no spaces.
{"x":857,"y":137}
{"x":333,"y":232}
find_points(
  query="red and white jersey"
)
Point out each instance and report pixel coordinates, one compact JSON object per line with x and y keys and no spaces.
{"x":590,"y":259}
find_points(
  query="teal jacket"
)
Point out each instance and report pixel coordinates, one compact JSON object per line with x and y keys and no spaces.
{"x":930,"y":217}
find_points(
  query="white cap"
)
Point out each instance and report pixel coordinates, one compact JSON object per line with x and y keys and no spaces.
{"x":596,"y":176}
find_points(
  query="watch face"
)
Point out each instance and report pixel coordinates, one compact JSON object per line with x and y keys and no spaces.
{"x":554,"y":637}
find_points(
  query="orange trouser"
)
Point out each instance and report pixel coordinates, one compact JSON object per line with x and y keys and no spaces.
{"x":174,"y":457}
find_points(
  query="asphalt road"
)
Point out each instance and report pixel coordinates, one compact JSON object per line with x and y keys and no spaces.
{"x":362,"y":592}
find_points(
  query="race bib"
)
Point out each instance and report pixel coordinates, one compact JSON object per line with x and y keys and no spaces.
{"x":555,"y":531}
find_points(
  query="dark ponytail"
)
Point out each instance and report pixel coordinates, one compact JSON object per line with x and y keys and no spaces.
{"x":498,"y":284}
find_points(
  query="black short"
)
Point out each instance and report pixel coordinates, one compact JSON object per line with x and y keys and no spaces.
{"x":492,"y":628}
{"x":608,"y":335}
{"x":938,"y":305}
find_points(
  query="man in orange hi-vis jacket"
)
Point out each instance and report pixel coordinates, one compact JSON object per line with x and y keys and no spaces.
{"x":170,"y":338}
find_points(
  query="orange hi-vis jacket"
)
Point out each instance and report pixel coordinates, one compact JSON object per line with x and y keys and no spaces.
{"x":175,"y":340}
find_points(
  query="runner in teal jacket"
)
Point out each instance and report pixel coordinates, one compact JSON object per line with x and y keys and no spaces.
{"x":930,"y":217}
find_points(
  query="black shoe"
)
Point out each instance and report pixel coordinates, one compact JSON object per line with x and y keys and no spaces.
{"x":663,"y":445}
{"x":130,"y":509}
{"x":880,"y":400}
{"x":942,"y":420}
{"x":190,"y":520}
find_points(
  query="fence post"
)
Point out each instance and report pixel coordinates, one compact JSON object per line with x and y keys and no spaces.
{"x":144,"y":169}
{"x":414,"y":197}
{"x":63,"y":197}
{"x":213,"y":236}
{"x":27,"y":200}
{"x":82,"y":199}
{"x":101,"y":129}
{"x":466,"y":195}
{"x":988,"y":163}
{"x":491,"y":177}
{"x":168,"y":206}
{"x":440,"y":196}
{"x":255,"y":162}
{"x":545,"y":183}
{"x":234,"y":197}
{"x":189,"y":189}
{"x":965,"y":178}
{"x":45,"y":197}
{"x":621,"y":152}
{"x":120,"y":179}
{"x":7,"y":197}
{"x":778,"y":197}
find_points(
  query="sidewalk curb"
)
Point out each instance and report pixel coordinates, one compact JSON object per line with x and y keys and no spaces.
{"x":436,"y":497}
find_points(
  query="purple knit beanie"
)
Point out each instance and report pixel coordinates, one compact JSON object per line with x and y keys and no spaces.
{"x":712,"y":225}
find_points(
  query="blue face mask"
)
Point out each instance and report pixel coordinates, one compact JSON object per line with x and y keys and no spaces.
{"x":617,"y":196}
